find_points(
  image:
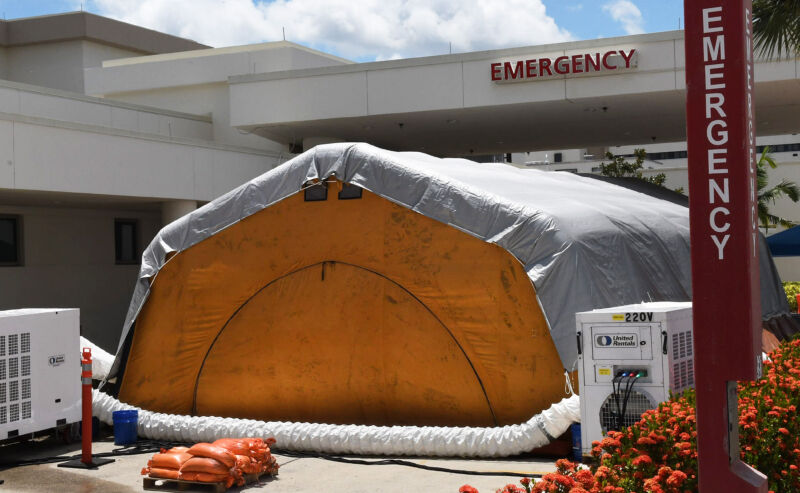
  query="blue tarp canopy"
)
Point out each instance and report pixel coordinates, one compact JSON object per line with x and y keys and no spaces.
{"x":786,"y":243}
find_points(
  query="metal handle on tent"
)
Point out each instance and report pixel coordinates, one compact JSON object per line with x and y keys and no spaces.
{"x":664,"y":342}
{"x":580,"y":349}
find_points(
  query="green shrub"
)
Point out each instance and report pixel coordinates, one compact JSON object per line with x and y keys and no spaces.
{"x":792,"y":289}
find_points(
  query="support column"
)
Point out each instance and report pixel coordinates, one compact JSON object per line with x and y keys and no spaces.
{"x":175,"y":209}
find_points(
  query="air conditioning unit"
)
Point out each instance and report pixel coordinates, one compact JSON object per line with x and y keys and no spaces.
{"x":40,"y":384}
{"x":630,"y":358}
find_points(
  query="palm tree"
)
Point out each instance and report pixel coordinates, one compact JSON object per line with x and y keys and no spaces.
{"x":768,"y":196}
{"x":776,"y":26}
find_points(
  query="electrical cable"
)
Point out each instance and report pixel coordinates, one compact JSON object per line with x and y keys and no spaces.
{"x":153,"y":446}
{"x":625,"y":396}
{"x":407,"y":463}
{"x":628,"y":389}
{"x":615,"y":392}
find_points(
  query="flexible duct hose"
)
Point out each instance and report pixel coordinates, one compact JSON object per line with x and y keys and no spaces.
{"x":356,"y":439}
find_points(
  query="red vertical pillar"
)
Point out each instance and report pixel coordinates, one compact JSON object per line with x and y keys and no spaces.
{"x":725,"y":285}
{"x":86,"y":402}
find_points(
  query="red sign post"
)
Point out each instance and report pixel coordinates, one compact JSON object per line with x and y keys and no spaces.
{"x":724,"y":232}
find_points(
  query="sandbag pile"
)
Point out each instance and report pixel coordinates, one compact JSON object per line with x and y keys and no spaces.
{"x":225,"y":461}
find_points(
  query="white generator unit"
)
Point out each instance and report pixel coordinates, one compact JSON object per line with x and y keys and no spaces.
{"x":40,"y":370}
{"x":630,"y":358}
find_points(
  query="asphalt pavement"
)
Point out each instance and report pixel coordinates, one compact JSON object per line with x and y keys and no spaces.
{"x":297,"y":474}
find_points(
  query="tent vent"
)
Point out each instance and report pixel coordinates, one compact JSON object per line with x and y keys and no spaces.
{"x":349,"y":191}
{"x":316,"y":192}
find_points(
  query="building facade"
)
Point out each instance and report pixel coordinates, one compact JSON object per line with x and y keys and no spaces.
{"x":109,"y":131}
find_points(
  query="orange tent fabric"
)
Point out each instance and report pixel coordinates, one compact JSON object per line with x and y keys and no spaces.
{"x":344,"y":311}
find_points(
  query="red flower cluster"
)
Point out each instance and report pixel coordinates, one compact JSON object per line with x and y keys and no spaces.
{"x":659,"y":453}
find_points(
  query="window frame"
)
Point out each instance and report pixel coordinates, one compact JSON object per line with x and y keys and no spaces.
{"x":18,"y":239}
{"x":122,"y":221}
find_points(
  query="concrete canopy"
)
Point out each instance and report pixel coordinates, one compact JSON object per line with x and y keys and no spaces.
{"x":449,"y":105}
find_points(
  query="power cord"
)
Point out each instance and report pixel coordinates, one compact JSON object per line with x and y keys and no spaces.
{"x":628,"y":390}
{"x":153,"y":446}
{"x":401,"y":462}
{"x":615,"y":392}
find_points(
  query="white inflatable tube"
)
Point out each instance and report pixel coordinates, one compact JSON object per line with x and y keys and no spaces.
{"x":101,"y":359}
{"x":501,"y":441}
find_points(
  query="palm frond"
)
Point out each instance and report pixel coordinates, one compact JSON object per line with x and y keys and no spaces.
{"x":776,"y":26}
{"x":766,"y":158}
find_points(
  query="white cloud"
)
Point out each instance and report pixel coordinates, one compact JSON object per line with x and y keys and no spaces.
{"x":627,"y":14}
{"x":363,"y":29}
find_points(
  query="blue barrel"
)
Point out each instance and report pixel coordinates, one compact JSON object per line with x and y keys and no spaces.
{"x":577,"y":450}
{"x":125,"y":427}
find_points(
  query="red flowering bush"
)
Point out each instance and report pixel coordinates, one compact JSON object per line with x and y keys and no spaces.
{"x":659,"y":453}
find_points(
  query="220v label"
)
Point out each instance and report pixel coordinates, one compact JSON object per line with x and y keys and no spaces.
{"x":633,"y":317}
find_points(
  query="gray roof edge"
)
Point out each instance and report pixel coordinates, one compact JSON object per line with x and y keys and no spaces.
{"x":85,"y":25}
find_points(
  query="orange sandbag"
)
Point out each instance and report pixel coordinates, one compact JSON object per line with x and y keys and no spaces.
{"x":248,"y":465}
{"x":156,"y":472}
{"x":272,"y":466}
{"x":169,"y":460}
{"x":243,"y":446}
{"x":175,"y":450}
{"x":205,"y":465}
{"x":237,"y":446}
{"x":213,"y":452}
{"x":208,"y":478}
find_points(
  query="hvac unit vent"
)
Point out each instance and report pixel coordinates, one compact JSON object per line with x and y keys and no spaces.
{"x":13,"y":347}
{"x":637,"y":404}
{"x":630,"y":359}
{"x":39,"y":370}
{"x":13,"y":390}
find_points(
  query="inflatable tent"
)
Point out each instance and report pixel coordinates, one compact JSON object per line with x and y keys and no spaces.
{"x":357,"y":285}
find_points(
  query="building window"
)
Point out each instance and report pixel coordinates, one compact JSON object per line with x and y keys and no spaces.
{"x":125,"y":241}
{"x":558,"y":157}
{"x":10,"y":240}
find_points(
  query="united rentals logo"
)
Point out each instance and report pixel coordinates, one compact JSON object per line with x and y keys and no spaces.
{"x":616,"y":341}
{"x":56,"y":360}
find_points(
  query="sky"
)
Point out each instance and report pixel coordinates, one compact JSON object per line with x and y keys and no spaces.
{"x":366,"y":30}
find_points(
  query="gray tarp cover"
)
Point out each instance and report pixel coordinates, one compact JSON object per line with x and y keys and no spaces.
{"x":584,"y":243}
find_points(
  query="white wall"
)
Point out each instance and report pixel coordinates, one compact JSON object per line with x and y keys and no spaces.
{"x":788,"y":268}
{"x":58,"y":65}
{"x":69,"y":261}
{"x":204,"y":99}
{"x":41,"y":102}
{"x":95,"y":161}
{"x":94,"y":54}
{"x":3,"y":63}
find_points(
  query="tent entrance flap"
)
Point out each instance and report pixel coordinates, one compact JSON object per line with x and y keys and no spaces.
{"x":370,"y":360}
{"x":344,"y":311}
